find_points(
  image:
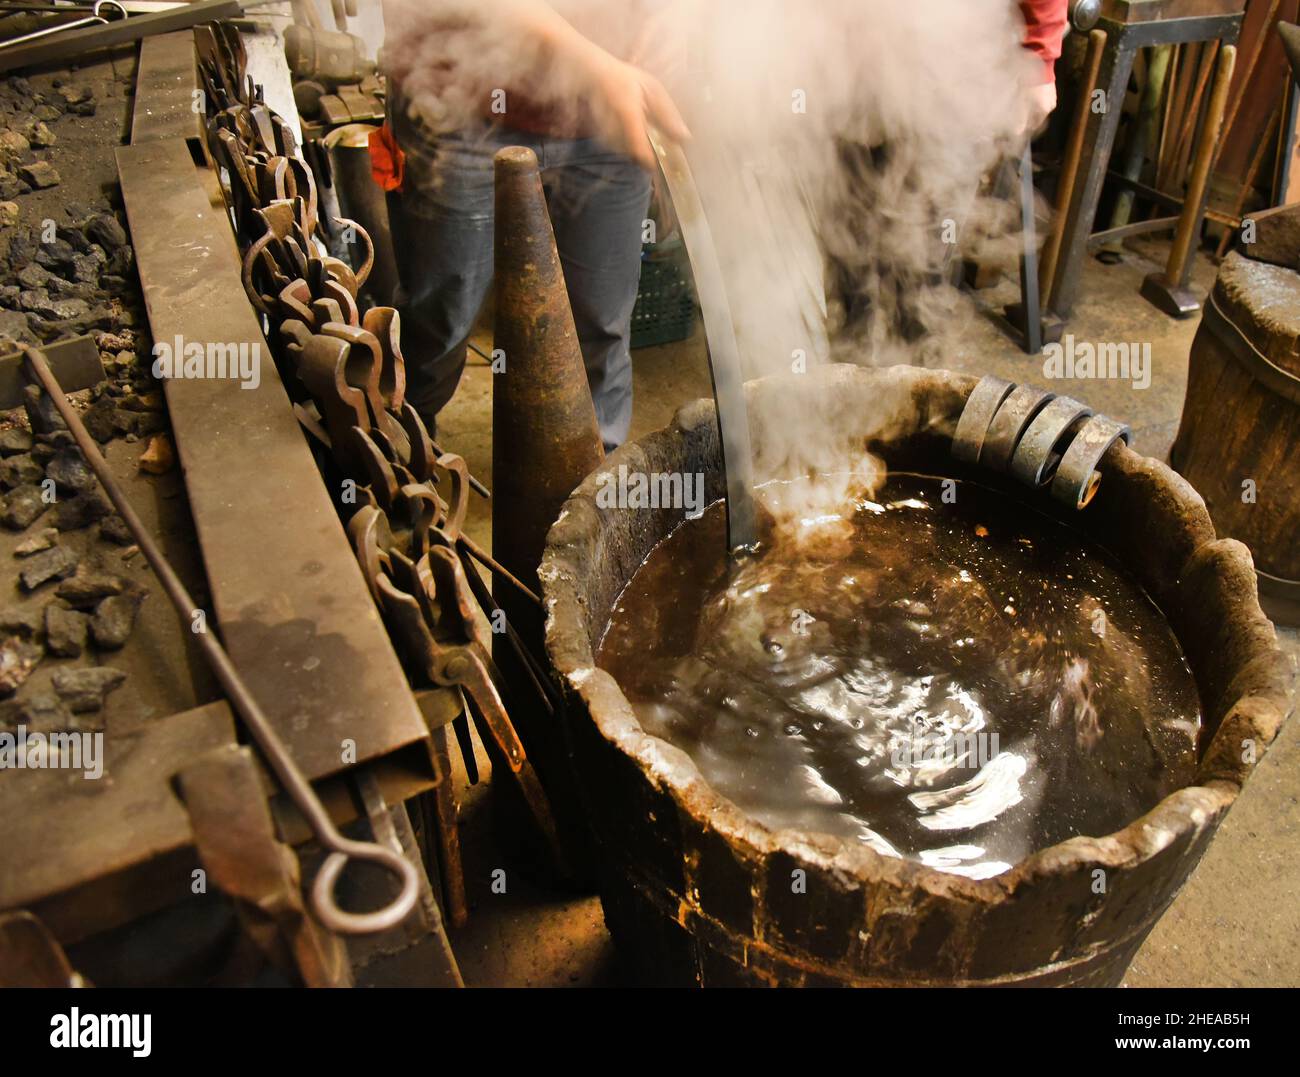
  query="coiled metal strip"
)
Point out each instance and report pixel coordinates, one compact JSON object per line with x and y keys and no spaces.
{"x":1035,"y":459}
{"x":1009,"y":424}
{"x":1077,"y":477}
{"x":973,"y":424}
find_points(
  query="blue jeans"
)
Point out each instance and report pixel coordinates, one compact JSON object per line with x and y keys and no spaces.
{"x":442,"y":236}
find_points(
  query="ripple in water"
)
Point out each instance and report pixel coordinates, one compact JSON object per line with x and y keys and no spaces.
{"x":959,"y":683}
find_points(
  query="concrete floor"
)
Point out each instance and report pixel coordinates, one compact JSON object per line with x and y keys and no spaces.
{"x":1237,"y":922}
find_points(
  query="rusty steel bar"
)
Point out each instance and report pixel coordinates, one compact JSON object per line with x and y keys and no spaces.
{"x":86,"y":39}
{"x":487,"y":561}
{"x":342,"y":849}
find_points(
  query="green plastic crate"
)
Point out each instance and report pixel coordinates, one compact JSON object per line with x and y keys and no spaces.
{"x":665,"y":300}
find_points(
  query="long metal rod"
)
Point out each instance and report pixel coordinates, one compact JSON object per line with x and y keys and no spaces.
{"x":487,"y":561}
{"x":1031,"y":308}
{"x":489,"y":605}
{"x":342,"y":849}
{"x":88,"y":38}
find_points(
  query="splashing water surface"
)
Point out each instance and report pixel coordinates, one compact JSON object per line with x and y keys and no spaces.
{"x":960,"y":682}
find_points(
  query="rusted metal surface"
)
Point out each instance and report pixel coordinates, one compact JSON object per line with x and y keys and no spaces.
{"x":1077,"y":476}
{"x":985,"y":400}
{"x":696,"y":892}
{"x":292,"y":606}
{"x":112,"y":849}
{"x":1036,"y":456}
{"x":544,"y":432}
{"x":392,"y":826}
{"x":30,"y":956}
{"x":273,"y":749}
{"x":88,"y":39}
{"x":544,"y":440}
{"x":165,"y":83}
{"x":239,"y":849}
{"x":406,"y":499}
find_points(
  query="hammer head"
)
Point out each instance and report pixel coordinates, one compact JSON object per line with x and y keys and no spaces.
{"x":75,"y":362}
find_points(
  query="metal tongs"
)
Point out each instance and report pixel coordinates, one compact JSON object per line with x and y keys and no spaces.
{"x":724,"y":353}
{"x":98,"y":16}
{"x":328,"y":911}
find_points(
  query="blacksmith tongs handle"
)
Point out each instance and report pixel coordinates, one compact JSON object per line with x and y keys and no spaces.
{"x":328,"y":911}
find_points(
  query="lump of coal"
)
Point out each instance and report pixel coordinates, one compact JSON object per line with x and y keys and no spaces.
{"x":39,"y":301}
{"x":81,"y":511}
{"x":105,"y":421}
{"x":33,"y":275}
{"x":85,"y":689}
{"x":40,"y":174}
{"x":107,"y":231}
{"x":26,"y":622}
{"x":113,"y":529}
{"x":57,"y":254}
{"x":44,"y":712}
{"x":42,"y":540}
{"x":41,"y":412}
{"x":14,"y":326}
{"x":85,"y":590}
{"x":56,"y":563}
{"x":15,"y":440}
{"x":22,"y":507}
{"x":65,"y":630}
{"x":17,"y":660}
{"x":70,"y":472}
{"x":20,"y":471}
{"x":113,"y":620}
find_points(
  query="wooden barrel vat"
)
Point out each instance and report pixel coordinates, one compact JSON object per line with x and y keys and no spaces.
{"x":697,"y":892}
{"x":1238,"y":439}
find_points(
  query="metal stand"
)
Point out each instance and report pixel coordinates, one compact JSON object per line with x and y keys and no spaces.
{"x":1130,"y":25}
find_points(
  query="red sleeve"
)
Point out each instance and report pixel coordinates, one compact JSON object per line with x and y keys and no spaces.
{"x":1045,"y":24}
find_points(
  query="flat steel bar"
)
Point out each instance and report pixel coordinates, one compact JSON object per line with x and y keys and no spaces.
{"x":250,"y":712}
{"x":165,"y":84}
{"x":101,"y":853}
{"x":724,"y":352}
{"x":293,"y":608}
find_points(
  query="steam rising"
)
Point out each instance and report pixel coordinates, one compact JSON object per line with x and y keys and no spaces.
{"x":851,"y":131}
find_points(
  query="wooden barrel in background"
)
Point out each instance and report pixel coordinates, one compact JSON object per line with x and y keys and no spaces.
{"x":1238,"y":440}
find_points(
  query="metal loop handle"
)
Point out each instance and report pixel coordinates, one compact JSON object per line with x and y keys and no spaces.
{"x":333,"y":916}
{"x":296,"y":786}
